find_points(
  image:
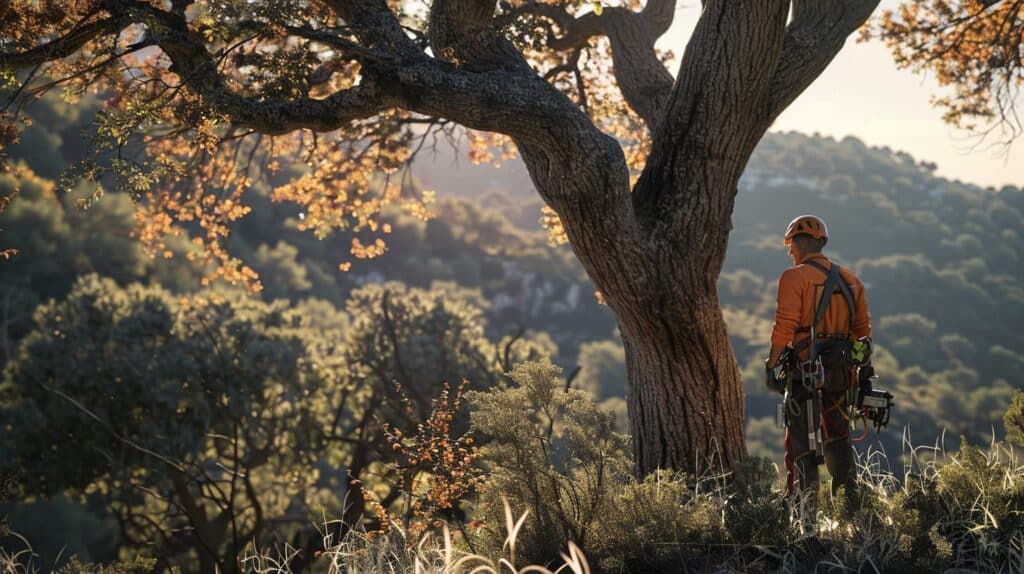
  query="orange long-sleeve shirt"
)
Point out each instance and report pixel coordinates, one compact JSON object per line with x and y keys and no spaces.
{"x":800,"y":290}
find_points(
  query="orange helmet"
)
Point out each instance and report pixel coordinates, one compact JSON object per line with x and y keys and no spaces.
{"x":810,"y":224}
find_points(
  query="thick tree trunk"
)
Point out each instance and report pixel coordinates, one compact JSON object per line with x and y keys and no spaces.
{"x":685,"y":395}
{"x":657,"y":265}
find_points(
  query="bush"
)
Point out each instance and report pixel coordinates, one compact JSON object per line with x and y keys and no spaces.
{"x":552,"y":452}
{"x":1014,"y":419}
{"x":647,"y":528}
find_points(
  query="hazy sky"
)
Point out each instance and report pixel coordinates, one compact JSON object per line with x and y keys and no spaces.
{"x":864,"y":95}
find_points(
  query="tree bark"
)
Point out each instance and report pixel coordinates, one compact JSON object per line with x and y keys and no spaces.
{"x":685,"y":395}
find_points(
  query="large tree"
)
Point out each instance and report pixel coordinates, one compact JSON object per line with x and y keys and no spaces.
{"x":213,"y":85}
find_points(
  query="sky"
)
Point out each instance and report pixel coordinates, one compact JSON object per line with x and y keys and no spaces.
{"x":863,"y":94}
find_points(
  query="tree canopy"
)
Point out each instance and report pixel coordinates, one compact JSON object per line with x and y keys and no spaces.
{"x":973,"y":47}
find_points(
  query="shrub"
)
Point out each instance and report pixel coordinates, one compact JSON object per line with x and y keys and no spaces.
{"x":1014,"y":419}
{"x":552,"y":452}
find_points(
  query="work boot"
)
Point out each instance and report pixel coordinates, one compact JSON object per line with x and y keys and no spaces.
{"x":842,"y":466}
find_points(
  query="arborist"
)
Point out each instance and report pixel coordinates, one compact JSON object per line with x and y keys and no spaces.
{"x":824,"y":303}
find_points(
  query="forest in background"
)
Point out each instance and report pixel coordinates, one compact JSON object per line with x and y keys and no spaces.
{"x":939,"y":259}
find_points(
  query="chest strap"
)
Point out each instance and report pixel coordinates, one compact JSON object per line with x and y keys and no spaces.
{"x":834,"y":284}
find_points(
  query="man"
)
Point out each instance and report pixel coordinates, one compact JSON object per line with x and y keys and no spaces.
{"x":799,"y":300}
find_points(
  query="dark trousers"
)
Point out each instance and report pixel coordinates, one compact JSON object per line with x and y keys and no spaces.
{"x":801,"y":467}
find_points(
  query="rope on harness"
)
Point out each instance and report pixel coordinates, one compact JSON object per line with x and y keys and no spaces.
{"x":864,"y":419}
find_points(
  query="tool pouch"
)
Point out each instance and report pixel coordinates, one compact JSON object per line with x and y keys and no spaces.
{"x":836,"y":354}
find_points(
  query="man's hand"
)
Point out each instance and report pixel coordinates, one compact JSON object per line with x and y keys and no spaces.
{"x":770,"y":381}
{"x":862,"y":351}
{"x":774,"y":353}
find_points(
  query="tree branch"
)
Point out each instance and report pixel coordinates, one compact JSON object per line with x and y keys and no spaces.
{"x":716,"y":114}
{"x":643,"y":79}
{"x":64,"y":46}
{"x":659,"y":15}
{"x":817,"y":33}
{"x":463,"y":32}
{"x":486,"y":85}
{"x":375,"y":25}
{"x":198,"y":70}
{"x":478,"y":80}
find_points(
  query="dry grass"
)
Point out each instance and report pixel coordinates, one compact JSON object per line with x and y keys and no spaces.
{"x":937,"y":511}
{"x":395,"y":552}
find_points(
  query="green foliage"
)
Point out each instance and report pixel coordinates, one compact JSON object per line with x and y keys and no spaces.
{"x":57,"y":243}
{"x":646,"y":530}
{"x":552,"y":452}
{"x":956,"y":511}
{"x":86,"y":529}
{"x":53,"y":138}
{"x":289,"y":277}
{"x":671,"y":523}
{"x":1014,"y":419}
{"x":6,"y":492}
{"x":602,"y":369}
{"x":418,"y":338}
{"x":137,"y":565}
{"x":223,"y":404}
{"x":963,"y":511}
{"x":196,"y":415}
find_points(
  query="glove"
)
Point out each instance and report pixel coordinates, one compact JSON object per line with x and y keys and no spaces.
{"x":862,"y":351}
{"x":770,"y":381}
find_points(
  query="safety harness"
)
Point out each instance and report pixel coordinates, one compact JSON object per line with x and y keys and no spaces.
{"x":812,"y":372}
{"x":834,"y":283}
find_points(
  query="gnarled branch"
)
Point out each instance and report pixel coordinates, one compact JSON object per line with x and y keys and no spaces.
{"x":643,"y":79}
{"x":817,"y":33}
{"x":462,"y":32}
{"x":63,"y":46}
{"x":717,"y":112}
